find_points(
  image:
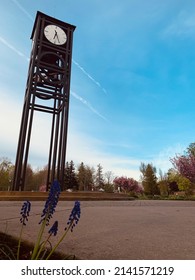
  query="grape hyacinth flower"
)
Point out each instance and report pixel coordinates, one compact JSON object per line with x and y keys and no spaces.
{"x":25,"y":210}
{"x":51,"y":202}
{"x":72,"y":222}
{"x":54,"y":229}
{"x":74,"y":216}
{"x":48,"y":211}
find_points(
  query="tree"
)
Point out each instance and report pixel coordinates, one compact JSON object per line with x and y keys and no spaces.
{"x":171,"y":177}
{"x":182,"y":183}
{"x":70,"y":180}
{"x":29,"y":184}
{"x":89,"y":178}
{"x":109,"y":176}
{"x":40,"y":179}
{"x":127,"y":185}
{"x":81,"y":177}
{"x":191,"y":149}
{"x":185,"y":164}
{"x":108,"y":185}
{"x":99,"y":179}
{"x":149,"y":179}
{"x":6,"y":173}
{"x":163,"y":186}
{"x":85,"y":177}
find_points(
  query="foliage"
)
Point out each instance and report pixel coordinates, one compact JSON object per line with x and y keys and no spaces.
{"x":185,"y":164}
{"x":171,"y":177}
{"x":85,"y":177}
{"x":99,"y":179}
{"x":163,"y":186}
{"x":109,"y":188}
{"x":149,"y":179}
{"x":40,"y":179}
{"x":6,"y":170}
{"x":127,"y":185}
{"x":70,"y":180}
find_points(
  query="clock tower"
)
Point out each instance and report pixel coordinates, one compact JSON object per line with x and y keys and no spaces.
{"x":47,"y":91}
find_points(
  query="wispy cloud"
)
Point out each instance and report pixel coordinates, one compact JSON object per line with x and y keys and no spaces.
{"x":89,"y":76}
{"x":182,"y":25}
{"x":86,"y":103}
{"x":22,"y":9}
{"x":11,"y":47}
{"x":162,"y":159}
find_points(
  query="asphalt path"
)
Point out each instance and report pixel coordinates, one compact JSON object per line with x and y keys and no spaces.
{"x":115,"y":230}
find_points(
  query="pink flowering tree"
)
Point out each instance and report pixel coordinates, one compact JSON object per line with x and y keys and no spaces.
{"x":185,"y":164}
{"x":127,"y":185}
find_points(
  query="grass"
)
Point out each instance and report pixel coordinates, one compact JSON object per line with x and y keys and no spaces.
{"x":9,"y":246}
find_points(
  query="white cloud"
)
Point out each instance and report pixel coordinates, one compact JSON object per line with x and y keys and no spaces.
{"x":83,"y":148}
{"x":10,"y":114}
{"x":162,"y":160}
{"x":182,"y":25}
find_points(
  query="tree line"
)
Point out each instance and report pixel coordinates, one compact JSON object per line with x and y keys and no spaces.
{"x":180,"y":178}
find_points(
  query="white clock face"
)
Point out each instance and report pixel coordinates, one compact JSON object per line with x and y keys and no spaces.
{"x":55,"y":34}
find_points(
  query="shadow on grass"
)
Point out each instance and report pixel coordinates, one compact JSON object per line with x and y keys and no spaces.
{"x":9,"y":247}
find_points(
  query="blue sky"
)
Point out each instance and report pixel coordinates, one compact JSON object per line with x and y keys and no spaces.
{"x":132,"y":84}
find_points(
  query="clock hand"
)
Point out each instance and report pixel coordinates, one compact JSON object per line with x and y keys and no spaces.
{"x":56,"y":35}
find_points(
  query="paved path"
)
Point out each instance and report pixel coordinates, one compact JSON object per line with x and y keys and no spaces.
{"x":116,"y":229}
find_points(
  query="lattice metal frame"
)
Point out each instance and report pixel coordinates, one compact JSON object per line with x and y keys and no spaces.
{"x":48,"y":81}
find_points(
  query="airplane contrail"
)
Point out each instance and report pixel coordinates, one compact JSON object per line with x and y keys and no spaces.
{"x":22,"y":9}
{"x":89,"y":76}
{"x":86,"y":103}
{"x":76,"y":63}
{"x":7,"y":44}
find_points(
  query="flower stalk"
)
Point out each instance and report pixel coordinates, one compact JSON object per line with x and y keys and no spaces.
{"x":72,"y":222}
{"x":25,"y":210}
{"x":48,"y":211}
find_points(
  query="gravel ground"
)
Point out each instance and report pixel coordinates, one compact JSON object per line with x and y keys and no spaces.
{"x":116,"y":230}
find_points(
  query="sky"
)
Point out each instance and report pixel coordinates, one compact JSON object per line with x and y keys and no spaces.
{"x":132,"y":82}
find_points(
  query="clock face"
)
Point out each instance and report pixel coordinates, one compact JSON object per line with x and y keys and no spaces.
{"x":55,"y":34}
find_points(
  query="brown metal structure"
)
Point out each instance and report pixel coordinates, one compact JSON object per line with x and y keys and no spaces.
{"x":48,"y":91}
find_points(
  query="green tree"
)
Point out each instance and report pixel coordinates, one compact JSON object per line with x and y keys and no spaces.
{"x":171,"y":177}
{"x":70,"y":180}
{"x":85,"y":177}
{"x":191,"y":150}
{"x":149,"y":180}
{"x":99,"y":178}
{"x":6,"y":173}
{"x":163,"y":186}
{"x":183,"y":183}
{"x":81,"y":176}
{"x":29,"y":184}
{"x":89,"y":178}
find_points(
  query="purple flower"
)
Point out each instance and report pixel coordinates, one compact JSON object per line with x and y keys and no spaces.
{"x":25,"y":210}
{"x":51,"y":202}
{"x":74,"y":216}
{"x":54,"y":229}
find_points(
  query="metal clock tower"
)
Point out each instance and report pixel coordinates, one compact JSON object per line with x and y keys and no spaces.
{"x":48,"y":91}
